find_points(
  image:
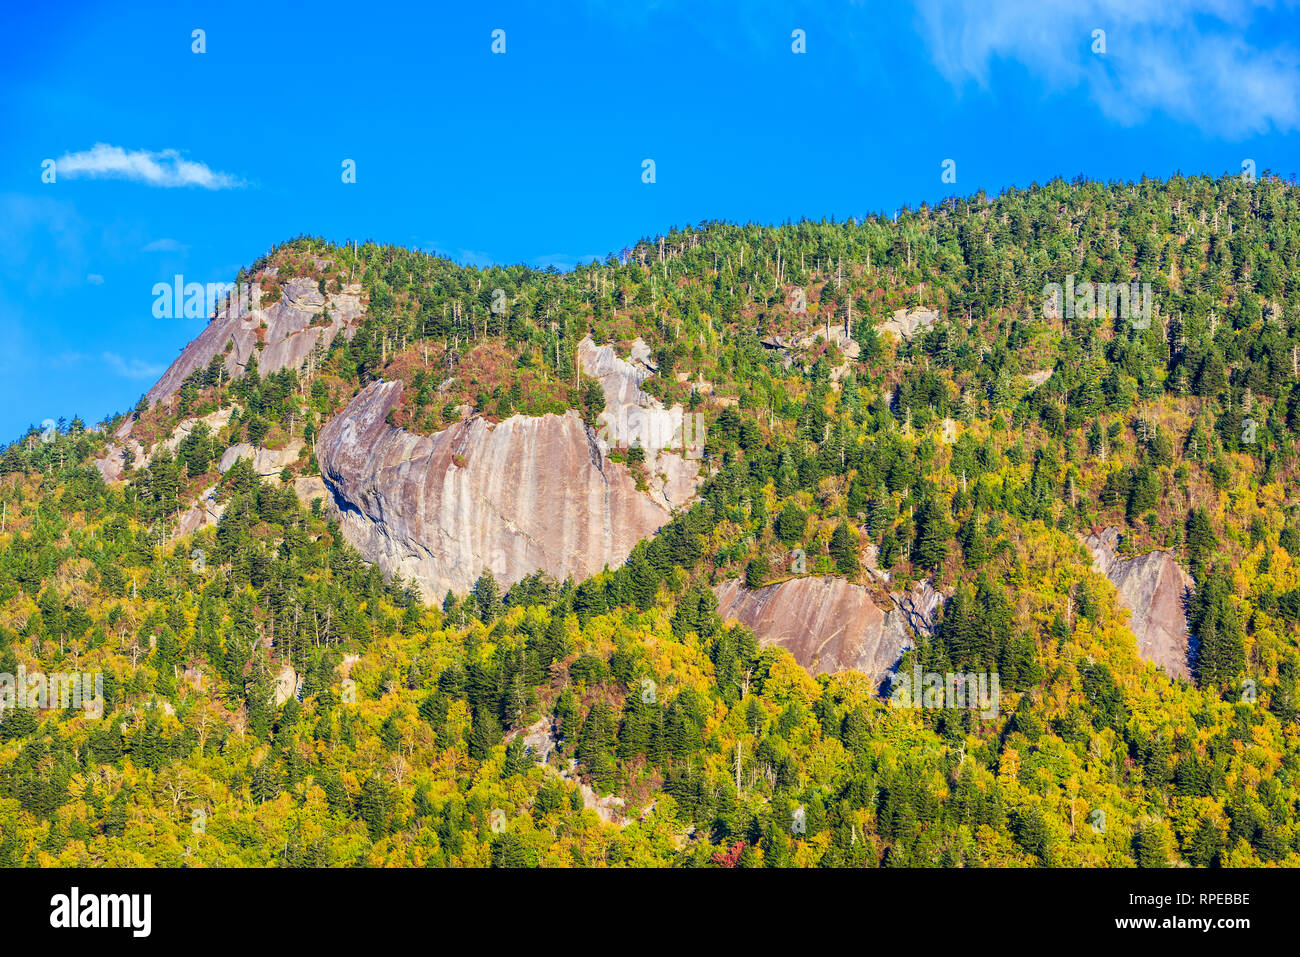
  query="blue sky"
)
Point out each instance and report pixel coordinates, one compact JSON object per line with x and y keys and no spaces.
{"x":169,"y":161}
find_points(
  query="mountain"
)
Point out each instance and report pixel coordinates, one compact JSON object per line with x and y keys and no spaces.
{"x":412,"y":563}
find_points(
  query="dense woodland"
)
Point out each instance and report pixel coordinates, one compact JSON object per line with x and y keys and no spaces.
{"x":406,"y":743}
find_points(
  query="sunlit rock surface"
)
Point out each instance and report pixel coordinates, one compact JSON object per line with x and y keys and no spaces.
{"x":525,"y":494}
{"x":829,"y":624}
{"x":1154,"y":588}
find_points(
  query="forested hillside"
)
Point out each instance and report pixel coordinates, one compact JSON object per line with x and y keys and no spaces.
{"x":887,"y":402}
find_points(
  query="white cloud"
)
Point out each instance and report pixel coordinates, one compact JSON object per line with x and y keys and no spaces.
{"x":95,"y":279}
{"x":165,"y":246}
{"x":132,"y":368}
{"x":1188,"y":59}
{"x":165,"y":169}
{"x":65,"y":359}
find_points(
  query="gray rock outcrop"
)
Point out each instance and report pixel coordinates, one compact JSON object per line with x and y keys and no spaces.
{"x":266,"y":462}
{"x":633,"y":418}
{"x":525,"y":494}
{"x":1153,"y":587}
{"x":830,"y":624}
{"x":204,"y":511}
{"x":905,"y":323}
{"x":295,"y":326}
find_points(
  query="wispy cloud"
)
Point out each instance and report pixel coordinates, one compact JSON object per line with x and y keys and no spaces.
{"x":132,"y":368}
{"x":1188,"y":59}
{"x":44,"y":240}
{"x":66,"y":359}
{"x":165,"y":245}
{"x":95,"y":279}
{"x":164,"y":169}
{"x":476,"y":258}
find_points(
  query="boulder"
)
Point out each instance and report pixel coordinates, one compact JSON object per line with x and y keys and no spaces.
{"x":287,"y":685}
{"x":310,"y":487}
{"x":905,"y":323}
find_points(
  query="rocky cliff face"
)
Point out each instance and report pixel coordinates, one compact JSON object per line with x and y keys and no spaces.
{"x":830,"y":624}
{"x":295,"y":326}
{"x":266,"y":462}
{"x":905,"y":323}
{"x":1152,"y":587}
{"x":521,"y":495}
{"x":113,"y":463}
{"x":203,"y":511}
{"x":292,"y":332}
{"x":633,"y":418}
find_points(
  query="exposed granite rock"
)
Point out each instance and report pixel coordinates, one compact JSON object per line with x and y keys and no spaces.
{"x":202,"y":513}
{"x":289,"y":337}
{"x":266,"y":462}
{"x":905,"y":323}
{"x":345,"y":666}
{"x":525,"y":494}
{"x":540,"y":740}
{"x":288,"y":685}
{"x":1153,"y":588}
{"x":920,"y":607}
{"x":632,"y":417}
{"x":830,"y":624}
{"x":309,"y":487}
{"x":215,"y":421}
{"x":832,"y":332}
{"x":113,"y":464}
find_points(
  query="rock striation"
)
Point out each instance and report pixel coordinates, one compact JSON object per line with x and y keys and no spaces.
{"x":1154,"y":588}
{"x":265,"y":462}
{"x":671,"y":442}
{"x":287,"y":333}
{"x":294,"y":326}
{"x":524,"y":494}
{"x":830,"y":624}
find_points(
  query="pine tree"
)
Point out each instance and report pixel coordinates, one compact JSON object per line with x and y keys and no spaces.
{"x":843,"y":550}
{"x":1200,"y":540}
{"x":487,"y":597}
{"x":1149,"y":846}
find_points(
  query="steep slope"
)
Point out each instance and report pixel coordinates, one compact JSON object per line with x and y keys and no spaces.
{"x":632,"y":417}
{"x":1153,"y":588}
{"x":829,"y":624}
{"x":283,"y":334}
{"x":294,"y":326}
{"x":527,"y":493}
